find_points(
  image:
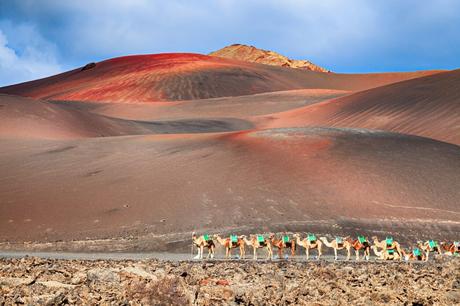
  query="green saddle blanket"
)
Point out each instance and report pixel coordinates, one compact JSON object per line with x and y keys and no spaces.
{"x":389,"y":241}
{"x":432,"y":244}
{"x":285,"y":239}
{"x":391,"y":251}
{"x":416,"y":252}
{"x":311,"y":237}
{"x":233,"y":238}
{"x":260,"y":238}
{"x":361,"y":239}
{"x":339,"y":240}
{"x":206,"y":237}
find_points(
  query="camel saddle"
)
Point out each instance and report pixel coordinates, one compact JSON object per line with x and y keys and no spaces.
{"x":361,"y":239}
{"x":285,"y":238}
{"x":233,"y":239}
{"x":389,"y":241}
{"x":261,"y":240}
{"x":416,"y":252}
{"x":339,"y":241}
{"x":206,"y":237}
{"x":433,"y":244}
{"x":311,"y":237}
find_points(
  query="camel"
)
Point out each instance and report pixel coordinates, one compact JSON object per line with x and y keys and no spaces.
{"x":451,"y":248}
{"x":309,"y":243}
{"x":388,"y":246}
{"x":201,"y":242}
{"x":257,"y":242}
{"x":389,"y":254}
{"x":282,"y":243}
{"x":414,"y":254}
{"x":429,"y":246}
{"x":360,"y":244}
{"x":338,"y":243}
{"x":230,"y":243}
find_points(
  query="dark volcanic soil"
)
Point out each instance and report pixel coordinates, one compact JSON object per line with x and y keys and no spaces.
{"x":35,"y":281}
{"x":240,"y":181}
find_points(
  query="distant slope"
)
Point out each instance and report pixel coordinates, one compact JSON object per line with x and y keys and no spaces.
{"x":25,"y":118}
{"x":260,"y":56}
{"x":184,"y":76}
{"x":428,"y":106}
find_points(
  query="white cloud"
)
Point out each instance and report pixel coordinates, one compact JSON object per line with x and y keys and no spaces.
{"x":32,"y":62}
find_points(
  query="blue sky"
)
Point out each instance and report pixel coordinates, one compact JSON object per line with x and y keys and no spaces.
{"x":43,"y":37}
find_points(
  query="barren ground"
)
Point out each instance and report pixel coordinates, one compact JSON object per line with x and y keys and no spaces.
{"x":59,"y":282}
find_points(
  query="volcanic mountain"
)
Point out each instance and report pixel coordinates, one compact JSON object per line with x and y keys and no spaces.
{"x":227,"y":146}
{"x":185,"y":76}
{"x":260,"y":56}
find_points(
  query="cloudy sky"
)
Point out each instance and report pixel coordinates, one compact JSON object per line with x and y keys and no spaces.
{"x":43,"y":37}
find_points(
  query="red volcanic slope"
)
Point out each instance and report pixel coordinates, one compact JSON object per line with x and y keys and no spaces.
{"x":184,"y":76}
{"x":428,"y":106}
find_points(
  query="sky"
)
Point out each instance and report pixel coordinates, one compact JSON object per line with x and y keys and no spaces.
{"x":39,"y":38}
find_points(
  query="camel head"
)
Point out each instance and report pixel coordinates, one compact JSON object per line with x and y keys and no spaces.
{"x":296,"y":235}
{"x":193,"y":235}
{"x":271,"y":236}
{"x":375,"y":238}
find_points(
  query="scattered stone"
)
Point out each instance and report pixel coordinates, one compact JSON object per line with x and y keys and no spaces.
{"x":33,"y":281}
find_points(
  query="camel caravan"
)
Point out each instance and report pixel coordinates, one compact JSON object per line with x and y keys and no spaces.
{"x":285,"y":245}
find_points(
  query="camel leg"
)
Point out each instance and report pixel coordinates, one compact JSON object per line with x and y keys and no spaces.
{"x":292,"y":249}
{"x":348,"y":253}
{"x":255,"y":253}
{"x":212,"y":252}
{"x":335,"y":254}
{"x":201,"y":251}
{"x":357,"y":255}
{"x":197,"y":255}
{"x":307,"y":252}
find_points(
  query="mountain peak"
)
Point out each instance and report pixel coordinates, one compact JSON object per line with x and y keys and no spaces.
{"x":260,"y":56}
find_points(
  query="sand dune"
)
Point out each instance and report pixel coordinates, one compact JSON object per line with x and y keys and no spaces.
{"x":119,"y":186}
{"x":242,"y":107}
{"x":428,"y":106}
{"x":185,"y":76}
{"x":27,"y":118}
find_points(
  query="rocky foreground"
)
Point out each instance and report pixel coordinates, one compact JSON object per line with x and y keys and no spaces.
{"x":34,"y":281}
